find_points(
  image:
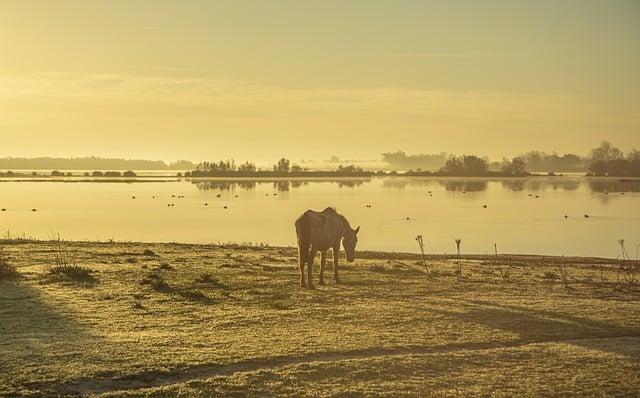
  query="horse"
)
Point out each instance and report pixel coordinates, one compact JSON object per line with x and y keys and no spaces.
{"x":321,"y":231}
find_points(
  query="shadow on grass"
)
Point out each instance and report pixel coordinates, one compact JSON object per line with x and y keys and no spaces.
{"x":538,"y":325}
{"x":33,"y":333}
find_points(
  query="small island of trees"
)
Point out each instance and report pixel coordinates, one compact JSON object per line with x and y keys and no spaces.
{"x":283,"y":168}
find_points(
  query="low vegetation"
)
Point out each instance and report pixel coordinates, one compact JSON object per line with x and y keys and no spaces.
{"x":231,"y":320}
{"x":8,"y":272}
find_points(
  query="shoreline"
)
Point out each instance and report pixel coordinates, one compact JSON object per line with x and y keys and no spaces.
{"x":360,"y":254}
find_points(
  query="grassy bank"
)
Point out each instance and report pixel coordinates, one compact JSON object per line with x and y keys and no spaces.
{"x":130,"y":319}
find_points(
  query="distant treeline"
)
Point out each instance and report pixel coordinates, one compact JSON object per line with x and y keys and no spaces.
{"x":535,"y":162}
{"x":284,"y":168}
{"x":91,"y":163}
{"x":401,"y":161}
{"x":603,"y":160}
{"x":607,"y":160}
{"x":474,"y":166}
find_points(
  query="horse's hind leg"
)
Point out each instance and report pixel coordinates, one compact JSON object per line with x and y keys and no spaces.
{"x":312,"y":255}
{"x":303,"y":254}
{"x":336,"y":254}
{"x":323,"y":261}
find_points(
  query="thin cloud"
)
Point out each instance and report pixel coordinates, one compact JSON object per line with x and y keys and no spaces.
{"x":445,"y":55}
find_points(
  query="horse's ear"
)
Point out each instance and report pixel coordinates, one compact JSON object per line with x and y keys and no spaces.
{"x":357,"y":230}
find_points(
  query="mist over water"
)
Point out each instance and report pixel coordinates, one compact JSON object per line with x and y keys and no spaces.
{"x":521,"y":215}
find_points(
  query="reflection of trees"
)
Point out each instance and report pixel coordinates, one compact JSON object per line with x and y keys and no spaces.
{"x":224,"y":185}
{"x":536,"y":185}
{"x":514,"y":185}
{"x":395,"y":184}
{"x":518,"y":185}
{"x":298,"y":184}
{"x":282,"y":186}
{"x":401,"y":183}
{"x":464,"y":185}
{"x":568,"y":185}
{"x":614,"y":186}
{"x":350,"y":183}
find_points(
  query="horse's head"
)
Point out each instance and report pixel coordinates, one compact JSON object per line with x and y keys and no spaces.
{"x":349,"y":242}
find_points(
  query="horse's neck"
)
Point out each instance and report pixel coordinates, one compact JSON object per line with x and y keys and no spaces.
{"x":345,"y":224}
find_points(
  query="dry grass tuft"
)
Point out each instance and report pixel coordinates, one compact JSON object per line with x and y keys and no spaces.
{"x":8,"y":271}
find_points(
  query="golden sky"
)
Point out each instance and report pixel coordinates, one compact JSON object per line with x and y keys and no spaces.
{"x":257,"y":79}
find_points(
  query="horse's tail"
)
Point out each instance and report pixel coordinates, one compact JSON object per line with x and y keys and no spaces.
{"x":303,"y":232}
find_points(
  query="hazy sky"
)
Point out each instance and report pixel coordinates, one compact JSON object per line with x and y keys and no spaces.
{"x":257,"y":79}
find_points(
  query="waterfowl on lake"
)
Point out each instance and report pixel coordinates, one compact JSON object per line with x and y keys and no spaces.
{"x":225,"y":207}
{"x":206,"y":204}
{"x":218,"y":195}
{"x":586,"y":216}
{"x":484,"y":206}
{"x":3,"y":209}
{"x":34,"y":209}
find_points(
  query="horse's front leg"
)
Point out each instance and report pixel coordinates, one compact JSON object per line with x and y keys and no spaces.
{"x":323,"y":260}
{"x":312,"y":256}
{"x":336,"y":253}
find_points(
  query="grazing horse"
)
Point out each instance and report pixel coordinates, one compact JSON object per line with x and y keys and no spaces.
{"x":321,"y":231}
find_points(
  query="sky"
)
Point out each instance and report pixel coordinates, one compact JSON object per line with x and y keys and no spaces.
{"x":258,"y":79}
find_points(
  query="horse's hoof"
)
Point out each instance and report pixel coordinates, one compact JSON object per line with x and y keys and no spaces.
{"x":310,"y":286}
{"x":338,"y":281}
{"x":302,"y":284}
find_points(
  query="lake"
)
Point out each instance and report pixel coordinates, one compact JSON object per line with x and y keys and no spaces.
{"x":521,"y":215}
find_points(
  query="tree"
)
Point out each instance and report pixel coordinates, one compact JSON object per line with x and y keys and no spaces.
{"x":453,"y":165}
{"x":247,"y":167}
{"x":605,"y":153}
{"x":282,"y":166}
{"x":474,"y":164}
{"x":296,"y":168}
{"x":516,"y":167}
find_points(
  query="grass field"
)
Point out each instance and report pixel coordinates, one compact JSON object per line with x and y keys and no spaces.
{"x":167,"y":320}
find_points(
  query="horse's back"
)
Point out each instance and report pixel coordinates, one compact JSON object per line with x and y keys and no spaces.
{"x":320,"y":229}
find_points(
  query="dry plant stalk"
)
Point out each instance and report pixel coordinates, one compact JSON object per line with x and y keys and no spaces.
{"x":421,"y":245}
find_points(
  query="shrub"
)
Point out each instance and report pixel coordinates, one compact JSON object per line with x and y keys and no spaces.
{"x":72,"y":273}
{"x":66,"y":267}
{"x":8,"y":271}
{"x":157,"y":283}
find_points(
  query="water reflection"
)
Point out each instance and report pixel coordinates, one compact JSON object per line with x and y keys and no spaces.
{"x":451,"y":185}
{"x":279,"y":185}
{"x":464,"y":186}
{"x":615,"y":186}
{"x":392,"y":211}
{"x":224,"y":185}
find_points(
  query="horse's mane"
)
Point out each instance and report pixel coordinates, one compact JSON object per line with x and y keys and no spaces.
{"x":334,"y":211}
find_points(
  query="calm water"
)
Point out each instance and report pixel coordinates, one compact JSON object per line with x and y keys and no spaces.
{"x":401,"y":208}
